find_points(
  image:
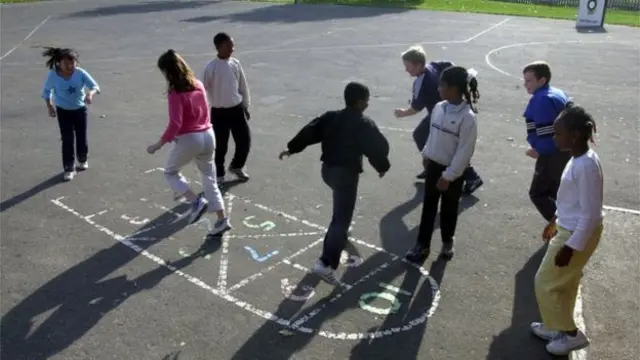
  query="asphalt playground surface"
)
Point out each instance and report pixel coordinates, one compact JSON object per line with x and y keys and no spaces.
{"x":103,"y":267}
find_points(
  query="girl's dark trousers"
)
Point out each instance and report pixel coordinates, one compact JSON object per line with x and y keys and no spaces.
{"x":73,"y":131}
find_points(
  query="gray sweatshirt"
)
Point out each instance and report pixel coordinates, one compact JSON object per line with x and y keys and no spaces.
{"x":452,"y":139}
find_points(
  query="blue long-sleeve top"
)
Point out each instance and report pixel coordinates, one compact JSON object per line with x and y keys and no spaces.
{"x":69,"y":93}
{"x":425,"y":86}
{"x":544,"y":107}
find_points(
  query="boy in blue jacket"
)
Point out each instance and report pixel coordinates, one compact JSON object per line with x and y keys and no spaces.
{"x":545,"y":105}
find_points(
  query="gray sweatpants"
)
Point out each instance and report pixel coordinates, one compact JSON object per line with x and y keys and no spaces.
{"x":198,"y":147}
{"x":344,"y":184}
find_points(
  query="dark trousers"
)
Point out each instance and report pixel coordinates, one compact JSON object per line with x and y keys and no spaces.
{"x":449,"y":204}
{"x":420,"y":136}
{"x":344,"y":184}
{"x":73,"y":131}
{"x":232,"y":121}
{"x":546,"y":181}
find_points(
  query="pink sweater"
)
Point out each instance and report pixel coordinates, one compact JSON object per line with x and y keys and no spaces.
{"x":188,"y":112}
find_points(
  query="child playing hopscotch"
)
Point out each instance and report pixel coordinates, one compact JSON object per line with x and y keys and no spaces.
{"x":190,"y":130}
{"x":573,"y":233}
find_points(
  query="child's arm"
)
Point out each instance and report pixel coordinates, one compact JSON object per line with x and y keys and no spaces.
{"x":207,"y":79}
{"x":375,"y":148}
{"x":589,"y":180}
{"x":466,"y":146}
{"x":89,"y":82}
{"x":175,"y":118}
{"x":310,"y":134}
{"x":244,"y":88}
{"x":47,"y":91}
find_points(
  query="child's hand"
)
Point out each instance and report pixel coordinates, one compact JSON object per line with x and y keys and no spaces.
{"x":247,"y":114}
{"x":283,"y":154}
{"x":563,"y":257}
{"x":153,"y":147}
{"x":532,"y":153}
{"x":381,"y":174}
{"x":399,"y":113}
{"x":52,"y":112}
{"x":549,"y":231}
{"x":89,"y":98}
{"x":443,"y":184}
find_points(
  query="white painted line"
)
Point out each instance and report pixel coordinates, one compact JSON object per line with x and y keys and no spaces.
{"x":624,"y":210}
{"x":26,"y":38}
{"x":487,"y":30}
{"x":394,"y":289}
{"x":224,"y":256}
{"x":579,"y":319}
{"x":487,"y":57}
{"x":258,"y":236}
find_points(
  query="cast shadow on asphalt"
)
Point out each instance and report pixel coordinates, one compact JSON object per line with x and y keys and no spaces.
{"x":393,"y":231}
{"x":81,"y":296}
{"x":517,"y":342}
{"x":43,"y":186}
{"x":293,"y":14}
{"x":141,"y":8}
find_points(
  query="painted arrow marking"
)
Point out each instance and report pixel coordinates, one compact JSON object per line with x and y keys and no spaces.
{"x":257,"y":257}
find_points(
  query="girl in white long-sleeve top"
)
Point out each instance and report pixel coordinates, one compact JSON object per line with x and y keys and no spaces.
{"x":447,"y":154}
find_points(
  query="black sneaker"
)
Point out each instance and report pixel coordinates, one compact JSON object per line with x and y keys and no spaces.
{"x":239,"y":173}
{"x":447,"y":250}
{"x":471,"y":186}
{"x":422,"y":175}
{"x":417,"y":254}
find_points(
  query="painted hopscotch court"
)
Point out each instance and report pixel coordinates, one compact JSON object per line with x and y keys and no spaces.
{"x":71,"y":289}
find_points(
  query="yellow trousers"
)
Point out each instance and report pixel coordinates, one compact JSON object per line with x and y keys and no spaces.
{"x":557,"y":287}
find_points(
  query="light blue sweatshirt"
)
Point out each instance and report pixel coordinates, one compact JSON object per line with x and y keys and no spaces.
{"x":69,"y":93}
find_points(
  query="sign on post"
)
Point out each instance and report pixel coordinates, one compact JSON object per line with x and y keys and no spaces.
{"x":591,"y":13}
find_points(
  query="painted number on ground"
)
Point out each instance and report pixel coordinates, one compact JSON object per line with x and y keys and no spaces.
{"x":265,"y":225}
{"x":389,"y":295}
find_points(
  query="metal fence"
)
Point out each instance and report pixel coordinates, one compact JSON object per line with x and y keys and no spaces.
{"x":633,"y":5}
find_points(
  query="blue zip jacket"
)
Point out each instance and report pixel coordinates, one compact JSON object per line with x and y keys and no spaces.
{"x":545,"y":105}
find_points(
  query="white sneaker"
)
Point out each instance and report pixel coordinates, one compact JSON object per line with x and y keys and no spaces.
{"x":83,"y":166}
{"x":69,"y":175}
{"x":197,"y":209}
{"x":220,"y":227}
{"x":325,"y":272}
{"x":564,"y":344}
{"x":542,"y":332}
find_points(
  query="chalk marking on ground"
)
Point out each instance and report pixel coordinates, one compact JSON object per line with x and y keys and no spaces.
{"x":25,"y":38}
{"x":224,"y":255}
{"x":494,"y":26}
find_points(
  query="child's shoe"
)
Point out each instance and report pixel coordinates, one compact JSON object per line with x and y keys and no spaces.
{"x":220,"y":227}
{"x":563,"y":344}
{"x":198,"y":208}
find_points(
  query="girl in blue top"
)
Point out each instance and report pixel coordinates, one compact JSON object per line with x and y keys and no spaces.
{"x":66,"y":83}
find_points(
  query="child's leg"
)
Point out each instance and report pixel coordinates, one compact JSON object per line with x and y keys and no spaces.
{"x":221,"y":129}
{"x":546,"y":181}
{"x":449,"y":207}
{"x":557,"y":287}
{"x":205,"y":164}
{"x":429,"y":211}
{"x":472,"y":181}
{"x":65,"y":122}
{"x":80,"y":127}
{"x":344,"y":183}
{"x":242,"y":137}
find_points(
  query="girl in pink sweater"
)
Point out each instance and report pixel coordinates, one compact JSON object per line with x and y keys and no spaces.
{"x":190,"y":130}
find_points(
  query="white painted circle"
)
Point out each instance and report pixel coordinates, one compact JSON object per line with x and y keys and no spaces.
{"x":487,"y":57}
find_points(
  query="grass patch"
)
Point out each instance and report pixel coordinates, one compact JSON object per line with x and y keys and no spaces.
{"x":15,"y":1}
{"x":619,"y":17}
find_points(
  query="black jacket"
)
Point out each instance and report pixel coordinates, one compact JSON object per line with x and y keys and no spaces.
{"x":345,"y":136}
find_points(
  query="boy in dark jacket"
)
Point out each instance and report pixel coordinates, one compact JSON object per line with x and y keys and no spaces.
{"x":345,"y":136}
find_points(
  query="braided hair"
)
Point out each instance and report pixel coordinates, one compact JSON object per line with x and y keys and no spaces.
{"x":458,"y":77}
{"x":56,"y":55}
{"x":576,"y":118}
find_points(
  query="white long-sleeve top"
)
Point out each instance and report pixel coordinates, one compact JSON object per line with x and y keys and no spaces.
{"x":579,"y":204}
{"x":452,"y":138}
{"x":226,"y":83}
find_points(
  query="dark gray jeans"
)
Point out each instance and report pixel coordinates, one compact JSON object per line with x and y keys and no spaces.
{"x":344,"y":184}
